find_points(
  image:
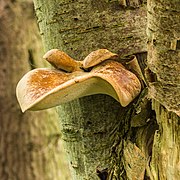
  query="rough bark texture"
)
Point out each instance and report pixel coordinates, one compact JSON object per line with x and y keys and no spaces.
{"x":165,"y":155}
{"x":29,"y":143}
{"x":78,"y":27}
{"x":164,"y":86}
{"x":164,"y":52}
{"x":93,"y":127}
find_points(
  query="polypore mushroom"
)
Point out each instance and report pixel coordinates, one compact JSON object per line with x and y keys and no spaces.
{"x":60,"y":60}
{"x":44,"y":88}
{"x":98,"y":56}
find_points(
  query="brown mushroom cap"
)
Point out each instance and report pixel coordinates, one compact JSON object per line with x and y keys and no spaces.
{"x":44,"y":88}
{"x":60,"y":60}
{"x":126,"y":85}
{"x":98,"y":56}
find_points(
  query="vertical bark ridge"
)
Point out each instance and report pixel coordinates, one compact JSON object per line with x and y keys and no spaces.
{"x":165,"y":157}
{"x":164,"y":87}
{"x":163,"y":57}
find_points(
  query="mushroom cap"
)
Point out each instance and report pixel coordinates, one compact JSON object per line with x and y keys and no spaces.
{"x":44,"y":88}
{"x":60,"y":60}
{"x":98,"y":56}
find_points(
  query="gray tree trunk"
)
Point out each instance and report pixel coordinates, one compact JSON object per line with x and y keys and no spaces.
{"x":103,"y":140}
{"x":29,"y":143}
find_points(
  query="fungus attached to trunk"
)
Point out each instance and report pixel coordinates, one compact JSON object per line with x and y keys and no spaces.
{"x":61,"y":60}
{"x":98,"y":56}
{"x":43,"y":88}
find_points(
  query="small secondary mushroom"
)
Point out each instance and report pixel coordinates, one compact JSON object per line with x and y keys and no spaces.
{"x":61,"y":60}
{"x":98,"y":56}
{"x":43,"y":88}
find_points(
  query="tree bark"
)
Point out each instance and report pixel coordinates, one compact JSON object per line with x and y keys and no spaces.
{"x":29,"y":143}
{"x":164,"y":65}
{"x":94,"y":128}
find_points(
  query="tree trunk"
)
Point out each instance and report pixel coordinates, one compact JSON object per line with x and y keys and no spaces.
{"x":103,"y":139}
{"x":29,"y":143}
{"x":94,"y":128}
{"x":164,"y":64}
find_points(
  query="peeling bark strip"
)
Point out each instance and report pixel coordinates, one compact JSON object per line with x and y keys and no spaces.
{"x":134,"y":161}
{"x":164,"y":53}
{"x":166,"y":148}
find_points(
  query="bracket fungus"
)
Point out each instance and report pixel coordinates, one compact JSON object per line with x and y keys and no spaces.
{"x":98,"y":56}
{"x":44,"y":88}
